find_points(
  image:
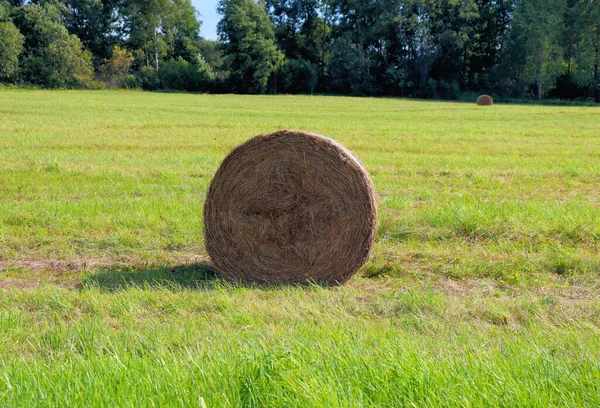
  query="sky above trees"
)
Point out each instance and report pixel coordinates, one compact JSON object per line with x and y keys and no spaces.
{"x":209,"y":17}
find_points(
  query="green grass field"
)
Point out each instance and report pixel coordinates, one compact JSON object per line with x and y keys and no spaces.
{"x":483,"y":288}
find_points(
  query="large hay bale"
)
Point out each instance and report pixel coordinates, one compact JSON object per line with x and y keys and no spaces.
{"x":290,"y":207}
{"x":485,"y":100}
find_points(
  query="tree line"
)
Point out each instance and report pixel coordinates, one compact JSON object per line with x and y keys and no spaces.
{"x":412,"y":48}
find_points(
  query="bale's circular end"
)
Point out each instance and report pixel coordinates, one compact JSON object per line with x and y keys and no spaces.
{"x":485,"y":100}
{"x":290,"y":207}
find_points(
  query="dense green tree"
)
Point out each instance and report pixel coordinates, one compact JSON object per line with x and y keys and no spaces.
{"x":52,"y":57}
{"x":178,"y":73}
{"x":114,"y":70}
{"x":349,"y":68}
{"x":4,"y":11}
{"x":584,"y":44}
{"x":11,"y":43}
{"x":11,"y":46}
{"x":162,"y":28}
{"x":452,"y":25}
{"x":481,"y":52}
{"x":372,"y":30}
{"x":210,"y":51}
{"x":95,"y":23}
{"x":248,"y":42}
{"x":409,"y":42}
{"x":536,"y":31}
{"x":12,"y":3}
{"x":423,"y":48}
{"x":299,"y":28}
{"x":299,"y":76}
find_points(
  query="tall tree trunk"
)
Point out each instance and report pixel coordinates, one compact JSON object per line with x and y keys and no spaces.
{"x":540,"y":77}
{"x":155,"y":52}
{"x":570,"y":56}
{"x":596,"y":65}
{"x":597,"y":75}
{"x":322,"y":67}
{"x":464,"y":78}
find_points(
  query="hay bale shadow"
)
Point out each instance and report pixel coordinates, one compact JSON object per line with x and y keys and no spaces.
{"x":200,"y":276}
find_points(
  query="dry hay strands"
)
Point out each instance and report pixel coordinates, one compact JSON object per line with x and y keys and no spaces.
{"x":290,"y":207}
{"x":485,"y":100}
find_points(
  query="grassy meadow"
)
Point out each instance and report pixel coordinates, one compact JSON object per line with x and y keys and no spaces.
{"x":483,"y":288}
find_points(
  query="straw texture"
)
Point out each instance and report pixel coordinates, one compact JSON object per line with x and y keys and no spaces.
{"x":290,"y":207}
{"x":485,"y":100}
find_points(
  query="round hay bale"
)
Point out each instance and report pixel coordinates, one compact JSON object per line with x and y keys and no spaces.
{"x":485,"y":100}
{"x":290,"y":207}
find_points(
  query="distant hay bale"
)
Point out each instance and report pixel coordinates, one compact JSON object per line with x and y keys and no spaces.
{"x":290,"y":207}
{"x":485,"y":100}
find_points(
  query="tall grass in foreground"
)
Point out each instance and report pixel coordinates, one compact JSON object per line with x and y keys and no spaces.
{"x":367,"y":345}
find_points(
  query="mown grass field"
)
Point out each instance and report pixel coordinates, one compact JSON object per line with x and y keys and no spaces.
{"x":483,"y":289}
